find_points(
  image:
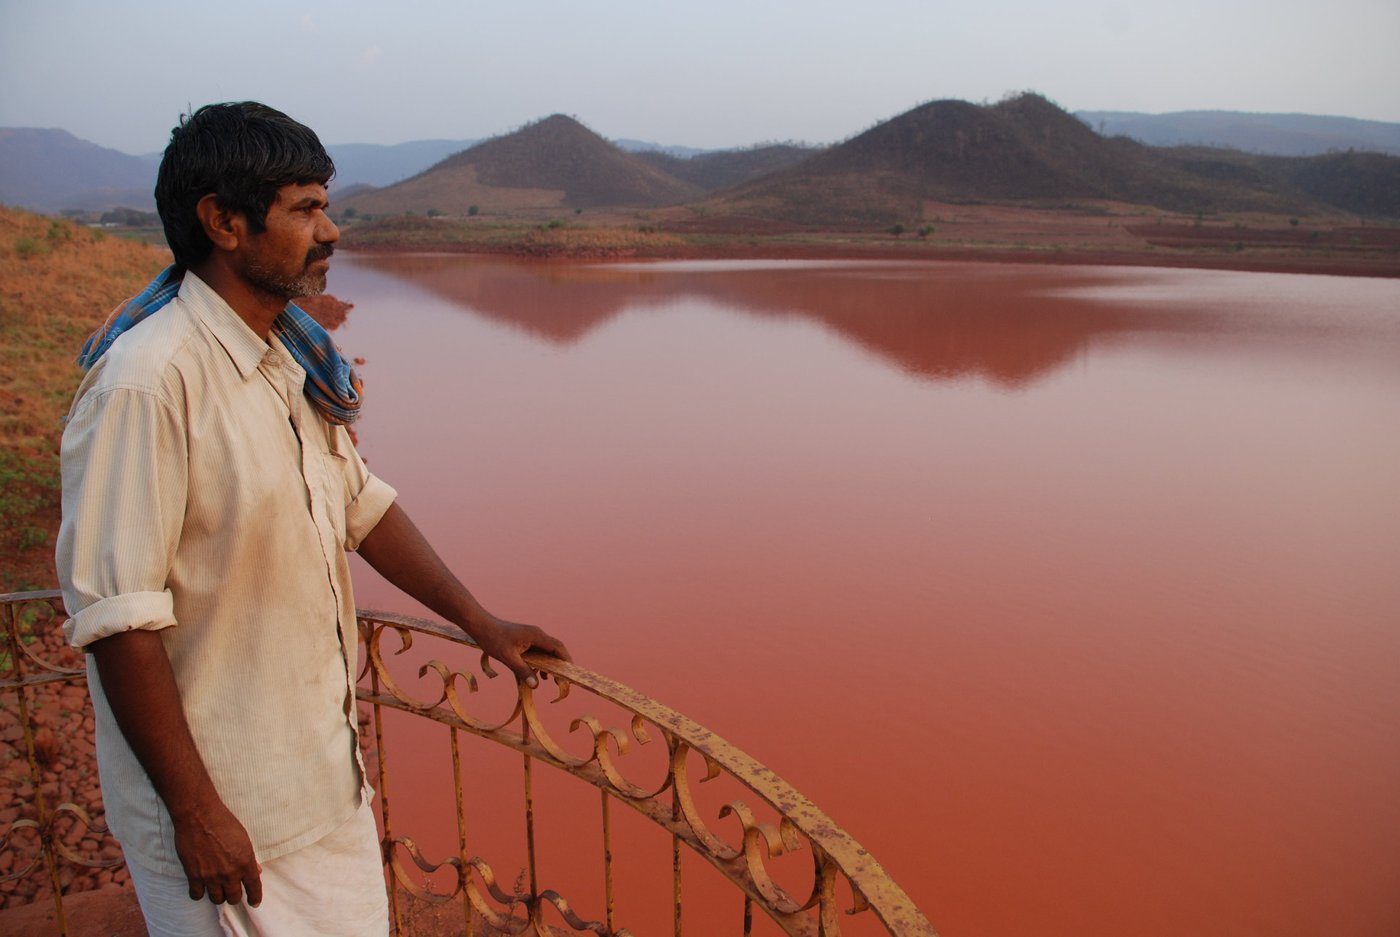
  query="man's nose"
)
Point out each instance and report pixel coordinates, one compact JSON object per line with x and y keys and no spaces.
{"x":326,"y":231}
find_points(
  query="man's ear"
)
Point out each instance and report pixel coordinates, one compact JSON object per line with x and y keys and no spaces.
{"x":223,"y":227}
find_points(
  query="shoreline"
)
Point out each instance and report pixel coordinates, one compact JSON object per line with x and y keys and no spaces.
{"x":1085,"y":235}
{"x":778,"y":250}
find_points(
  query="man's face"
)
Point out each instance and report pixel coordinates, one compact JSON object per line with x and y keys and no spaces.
{"x":291,"y":257}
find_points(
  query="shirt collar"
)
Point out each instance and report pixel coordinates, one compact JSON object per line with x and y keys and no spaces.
{"x":244,"y":346}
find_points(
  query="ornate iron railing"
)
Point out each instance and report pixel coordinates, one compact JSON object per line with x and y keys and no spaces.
{"x":589,"y":730}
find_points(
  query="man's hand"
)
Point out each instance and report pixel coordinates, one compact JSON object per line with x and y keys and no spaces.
{"x":218,"y":858}
{"x":212,"y":845}
{"x":508,"y":641}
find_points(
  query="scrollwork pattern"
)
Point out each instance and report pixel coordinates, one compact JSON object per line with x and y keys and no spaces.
{"x":21,"y":652}
{"x":672,"y":803}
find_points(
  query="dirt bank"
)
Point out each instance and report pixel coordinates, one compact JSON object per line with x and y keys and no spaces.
{"x":1101,"y":235}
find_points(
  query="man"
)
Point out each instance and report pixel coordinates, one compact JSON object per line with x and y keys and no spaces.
{"x":210,"y":491}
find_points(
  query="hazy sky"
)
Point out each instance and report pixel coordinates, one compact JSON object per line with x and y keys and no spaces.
{"x":714,"y":74}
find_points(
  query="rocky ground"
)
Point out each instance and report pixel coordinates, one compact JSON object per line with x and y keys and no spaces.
{"x":66,"y":759}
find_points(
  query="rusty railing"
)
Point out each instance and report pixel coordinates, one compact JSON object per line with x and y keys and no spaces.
{"x":763,"y":844}
{"x":50,"y":842}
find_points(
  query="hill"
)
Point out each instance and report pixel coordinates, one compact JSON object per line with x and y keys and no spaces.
{"x":725,"y":169}
{"x":1364,"y":184}
{"x":1271,"y":134}
{"x":50,"y":170}
{"x":374,"y":164}
{"x":1021,"y":149}
{"x":58,"y":281}
{"x":648,"y":146}
{"x":1027,"y":150}
{"x":553,"y":163}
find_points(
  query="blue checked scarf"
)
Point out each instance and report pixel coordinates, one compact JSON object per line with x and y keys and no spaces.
{"x":331,"y":383}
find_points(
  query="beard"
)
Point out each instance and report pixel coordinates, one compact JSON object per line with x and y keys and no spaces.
{"x":292,"y":286}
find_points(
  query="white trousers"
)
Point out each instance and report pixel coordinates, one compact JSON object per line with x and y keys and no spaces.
{"x":332,"y":888}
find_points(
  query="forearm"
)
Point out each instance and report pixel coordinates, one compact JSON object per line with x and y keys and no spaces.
{"x":400,"y":553}
{"x":210,"y":842}
{"x":145,"y":700}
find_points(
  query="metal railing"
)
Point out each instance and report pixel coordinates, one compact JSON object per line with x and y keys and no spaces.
{"x":744,"y":833}
{"x":52,"y":838}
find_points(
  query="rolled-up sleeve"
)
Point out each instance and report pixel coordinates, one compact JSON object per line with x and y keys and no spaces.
{"x":125,"y":479}
{"x":366,"y":496}
{"x":363,"y":513}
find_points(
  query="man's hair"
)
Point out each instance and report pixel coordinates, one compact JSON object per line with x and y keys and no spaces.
{"x":242,"y":153}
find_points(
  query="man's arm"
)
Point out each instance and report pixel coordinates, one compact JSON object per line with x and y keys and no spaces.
{"x":399,"y":553}
{"x":212,"y":844}
{"x":124,"y":487}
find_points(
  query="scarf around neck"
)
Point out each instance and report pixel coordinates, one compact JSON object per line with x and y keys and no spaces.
{"x":331,"y":383}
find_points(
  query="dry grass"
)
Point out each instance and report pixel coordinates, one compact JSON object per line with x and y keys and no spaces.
{"x":57,"y":282}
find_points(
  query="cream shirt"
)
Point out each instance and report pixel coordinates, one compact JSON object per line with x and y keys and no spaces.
{"x":205,"y":498}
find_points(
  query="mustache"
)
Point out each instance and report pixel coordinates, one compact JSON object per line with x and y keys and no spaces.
{"x":320,"y":252}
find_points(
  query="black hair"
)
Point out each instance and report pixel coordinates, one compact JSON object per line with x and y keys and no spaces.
{"x":242,"y":153}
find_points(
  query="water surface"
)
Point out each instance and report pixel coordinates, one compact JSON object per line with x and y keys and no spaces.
{"x":1071,"y":593}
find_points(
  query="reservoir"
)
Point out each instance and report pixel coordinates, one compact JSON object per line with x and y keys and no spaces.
{"x":1072,"y":593}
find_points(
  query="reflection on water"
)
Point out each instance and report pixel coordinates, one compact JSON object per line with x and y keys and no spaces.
{"x":1070,"y":592}
{"x":929,"y":325}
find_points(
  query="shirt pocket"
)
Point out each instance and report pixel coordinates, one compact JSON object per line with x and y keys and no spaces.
{"x":334,"y":466}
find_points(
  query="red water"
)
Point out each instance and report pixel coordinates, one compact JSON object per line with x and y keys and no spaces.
{"x":1071,"y":593}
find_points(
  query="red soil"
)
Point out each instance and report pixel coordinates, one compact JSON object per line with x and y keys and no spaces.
{"x":1107,"y":234}
{"x":330,"y":312}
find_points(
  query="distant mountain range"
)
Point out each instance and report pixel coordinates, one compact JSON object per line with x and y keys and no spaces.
{"x":1025,"y":148}
{"x":1267,"y":134}
{"x":372,"y":164}
{"x":53,"y":171}
{"x":50,"y":170}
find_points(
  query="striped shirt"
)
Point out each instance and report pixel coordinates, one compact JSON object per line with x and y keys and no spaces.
{"x":203,"y":497}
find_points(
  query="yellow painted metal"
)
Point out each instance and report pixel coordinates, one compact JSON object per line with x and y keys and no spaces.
{"x":461,"y":810}
{"x":836,"y":856}
{"x":609,"y":901}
